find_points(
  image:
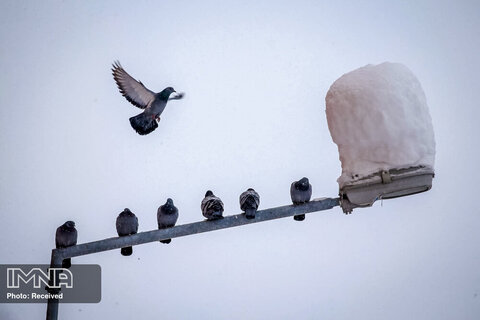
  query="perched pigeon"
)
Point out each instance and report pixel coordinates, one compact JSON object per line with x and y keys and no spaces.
{"x":212,"y":206}
{"x":66,"y":236}
{"x":249,"y":201}
{"x":167,"y":216}
{"x":141,"y":97}
{"x":300,"y":192}
{"x":127,"y":224}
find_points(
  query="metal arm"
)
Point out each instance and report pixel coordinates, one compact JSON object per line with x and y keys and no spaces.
{"x":180,"y":231}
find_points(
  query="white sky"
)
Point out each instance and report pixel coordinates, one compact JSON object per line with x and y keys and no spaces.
{"x":256,"y":76}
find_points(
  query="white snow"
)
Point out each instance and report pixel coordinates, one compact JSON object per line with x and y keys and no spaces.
{"x":379,"y":119}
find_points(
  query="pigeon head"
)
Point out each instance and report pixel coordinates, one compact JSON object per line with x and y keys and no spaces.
{"x":168,"y":207}
{"x":127,"y":212}
{"x":302,"y":184}
{"x":250,"y":189}
{"x":209,"y":193}
{"x":69,"y":224}
{"x":166,"y":93}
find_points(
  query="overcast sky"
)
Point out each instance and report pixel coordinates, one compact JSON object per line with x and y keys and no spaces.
{"x":256,"y":76}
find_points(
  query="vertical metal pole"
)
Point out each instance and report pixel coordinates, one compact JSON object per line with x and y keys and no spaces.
{"x":52,"y":305}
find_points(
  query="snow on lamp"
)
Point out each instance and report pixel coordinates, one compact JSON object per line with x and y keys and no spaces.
{"x":379,"y":119}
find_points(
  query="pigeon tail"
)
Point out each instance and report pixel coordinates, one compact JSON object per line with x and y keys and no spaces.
{"x":67,"y":263}
{"x":166,"y":241}
{"x":127,"y":251}
{"x":299,"y":217}
{"x":143,"y":123}
{"x":250,"y":213}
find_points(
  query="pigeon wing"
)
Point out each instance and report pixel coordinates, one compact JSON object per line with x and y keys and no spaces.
{"x":205,"y":204}
{"x":249,"y":198}
{"x":134,"y":91}
{"x":209,"y":202}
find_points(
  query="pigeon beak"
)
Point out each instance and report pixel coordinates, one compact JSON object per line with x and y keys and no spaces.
{"x":176,"y":95}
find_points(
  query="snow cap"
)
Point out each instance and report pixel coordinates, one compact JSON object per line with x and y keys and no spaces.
{"x":379,"y":119}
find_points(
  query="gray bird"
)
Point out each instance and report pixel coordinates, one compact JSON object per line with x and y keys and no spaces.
{"x":66,"y":236}
{"x":300,"y":192}
{"x":249,"y":202}
{"x":167,"y":216}
{"x":212,"y":206}
{"x":127,"y":224}
{"x":136,"y":93}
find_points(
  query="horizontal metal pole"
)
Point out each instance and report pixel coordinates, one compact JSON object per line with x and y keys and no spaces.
{"x":192,"y":228}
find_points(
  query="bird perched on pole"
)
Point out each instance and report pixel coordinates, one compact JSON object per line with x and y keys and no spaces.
{"x":66,"y":236}
{"x":249,"y":202}
{"x":167,"y":216}
{"x":136,"y":93}
{"x":300,"y":192}
{"x":212,"y":206}
{"x":127,"y":224}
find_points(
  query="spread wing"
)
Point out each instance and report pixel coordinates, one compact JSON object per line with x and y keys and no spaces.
{"x":133,"y":90}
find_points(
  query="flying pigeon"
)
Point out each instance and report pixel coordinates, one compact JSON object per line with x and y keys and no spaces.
{"x":127,"y":224}
{"x":212,"y":206}
{"x":66,"y":236}
{"x":249,"y":201}
{"x":141,"y":97}
{"x":167,"y":216}
{"x":300,"y":192}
